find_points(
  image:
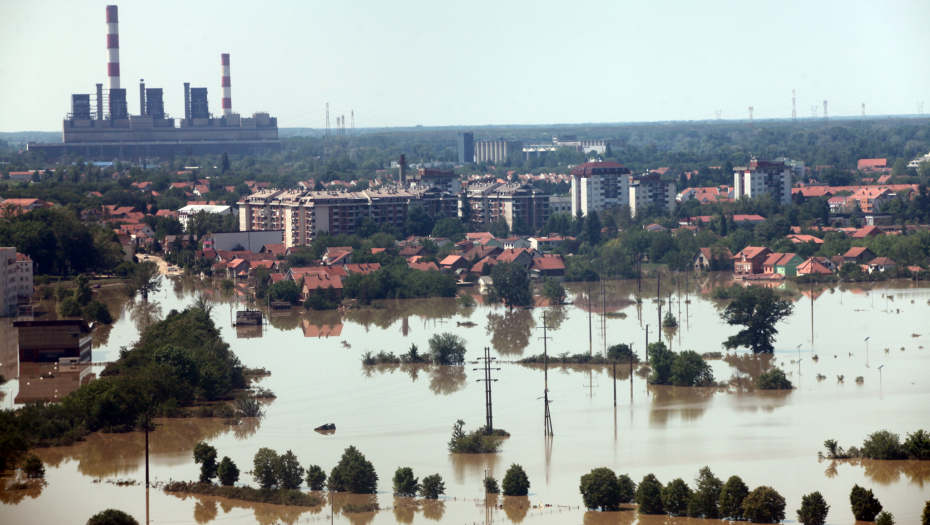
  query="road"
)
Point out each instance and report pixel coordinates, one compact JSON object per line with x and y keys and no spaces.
{"x":162,"y":265}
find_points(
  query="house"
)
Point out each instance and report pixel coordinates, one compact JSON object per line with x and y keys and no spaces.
{"x":858,"y":255}
{"x":547,"y":267}
{"x":813,"y":266}
{"x":872,"y":164}
{"x":276,"y":249}
{"x":782,"y":264}
{"x":484,"y":266}
{"x":481,"y":238}
{"x":423,"y":266}
{"x":441,"y":241}
{"x":513,"y":243}
{"x":803,"y":239}
{"x":322,"y":282}
{"x":167,"y":213}
{"x":454,"y":262}
{"x":750,"y":259}
{"x":717,"y":259}
{"x":880,"y":264}
{"x":364,"y":268}
{"x":867,"y":231}
{"x":655,"y":228}
{"x":748,"y":219}
{"x":545,"y":244}
{"x":828,"y":262}
{"x":480,"y":252}
{"x":411,"y":251}
{"x":24,"y":205}
{"x":337,"y":255}
{"x":521,"y":256}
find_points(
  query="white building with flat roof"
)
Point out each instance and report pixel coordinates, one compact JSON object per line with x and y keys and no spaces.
{"x":763,"y":177}
{"x":597,"y":186}
{"x":192,"y":209}
{"x":652,"y":190}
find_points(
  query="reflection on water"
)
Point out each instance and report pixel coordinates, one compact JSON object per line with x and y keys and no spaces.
{"x":50,"y":381}
{"x":143,"y":312}
{"x":511,"y":331}
{"x":13,"y":497}
{"x":443,"y":380}
{"x":206,"y":509}
{"x":516,"y":507}
{"x":886,"y":473}
{"x":473,"y":465}
{"x":624,"y":516}
{"x":688,"y":403}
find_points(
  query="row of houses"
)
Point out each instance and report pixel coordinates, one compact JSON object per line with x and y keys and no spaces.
{"x":755,"y":262}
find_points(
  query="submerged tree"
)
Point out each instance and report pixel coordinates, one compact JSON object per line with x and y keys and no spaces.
{"x":758,"y":310}
{"x":206,"y":456}
{"x":814,"y":509}
{"x":405,"y":485}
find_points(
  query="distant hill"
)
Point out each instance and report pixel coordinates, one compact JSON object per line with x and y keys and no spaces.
{"x":22,"y":137}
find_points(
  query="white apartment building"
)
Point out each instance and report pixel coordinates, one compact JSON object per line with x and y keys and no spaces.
{"x":185,"y":213}
{"x":650,"y":190}
{"x":597,"y":186}
{"x":763,"y":177}
{"x":15,"y":280}
{"x":560,"y":205}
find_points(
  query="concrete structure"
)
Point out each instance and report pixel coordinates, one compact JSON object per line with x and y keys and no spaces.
{"x":763,"y":177}
{"x":651,"y":190}
{"x":497,"y":150}
{"x":515,"y":203}
{"x":597,"y":186}
{"x":16,"y":283}
{"x":152,"y":133}
{"x":252,"y":241}
{"x":466,"y":147}
{"x":560,"y":204}
{"x":445,"y":180}
{"x":50,"y":341}
{"x":303,"y":214}
{"x":185,"y":213}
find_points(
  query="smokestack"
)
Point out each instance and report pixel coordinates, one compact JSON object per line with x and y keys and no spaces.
{"x":142,"y":96}
{"x":99,"y":101}
{"x":403,"y":169}
{"x":113,"y":46}
{"x":224,"y":83}
{"x":187,"y":101}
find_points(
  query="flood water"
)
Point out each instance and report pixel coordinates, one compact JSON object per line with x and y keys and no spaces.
{"x":403,"y":415}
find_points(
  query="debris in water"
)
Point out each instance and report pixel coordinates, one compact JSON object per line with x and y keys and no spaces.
{"x":345,"y":344}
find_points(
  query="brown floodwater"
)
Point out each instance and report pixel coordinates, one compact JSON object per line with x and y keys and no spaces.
{"x":402,"y":415}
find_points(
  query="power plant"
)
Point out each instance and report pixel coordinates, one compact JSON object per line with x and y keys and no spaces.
{"x":107,"y":129}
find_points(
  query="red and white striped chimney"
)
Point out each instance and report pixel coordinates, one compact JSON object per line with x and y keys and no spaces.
{"x":113,"y":46}
{"x":227,"y":88}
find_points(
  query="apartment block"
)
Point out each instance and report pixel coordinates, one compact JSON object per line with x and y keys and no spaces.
{"x":763,"y":177}
{"x":16,"y":282}
{"x":597,"y":186}
{"x":651,"y":190}
{"x":304,"y":214}
{"x":512,"y":202}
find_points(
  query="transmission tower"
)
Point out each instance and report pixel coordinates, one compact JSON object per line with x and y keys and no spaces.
{"x":326,"y":136}
{"x":547,"y":418}
{"x":863,"y":110}
{"x":717,"y":111}
{"x":920,"y":108}
{"x":813,"y":111}
{"x":353,"y":122}
{"x":794,"y":109}
{"x":825,"y":111}
{"x":343,"y":126}
{"x":750,"y":117}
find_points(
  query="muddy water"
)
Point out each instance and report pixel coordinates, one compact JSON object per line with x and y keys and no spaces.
{"x":402,"y":415}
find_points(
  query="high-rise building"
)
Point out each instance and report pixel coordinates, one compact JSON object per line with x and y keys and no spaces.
{"x":466,"y":147}
{"x":515,"y":203}
{"x":651,"y":190}
{"x":599,"y":185}
{"x":15,"y":280}
{"x":763,"y":177}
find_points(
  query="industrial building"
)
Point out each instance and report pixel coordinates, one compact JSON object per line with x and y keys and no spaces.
{"x":51,"y":341}
{"x":103,"y":125}
{"x":763,"y":177}
{"x":597,"y":186}
{"x":497,"y":150}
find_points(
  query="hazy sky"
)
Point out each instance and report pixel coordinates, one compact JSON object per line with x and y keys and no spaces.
{"x":409,"y":62}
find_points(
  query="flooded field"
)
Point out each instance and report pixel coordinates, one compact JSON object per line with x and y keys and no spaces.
{"x":403,"y":415}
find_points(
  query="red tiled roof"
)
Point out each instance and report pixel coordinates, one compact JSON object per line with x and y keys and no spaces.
{"x":548,"y":263}
{"x":423,"y":266}
{"x":362,"y":268}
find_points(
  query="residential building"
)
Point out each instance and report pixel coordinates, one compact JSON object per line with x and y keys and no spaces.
{"x":750,"y":259}
{"x":517,"y":204}
{"x":715,"y":259}
{"x":785,"y":264}
{"x":560,"y":204}
{"x":599,"y":185}
{"x":651,"y":190}
{"x":547,"y":267}
{"x":763,"y":177}
{"x":466,"y":147}
{"x":24,"y":281}
{"x":16,"y":284}
{"x":445,"y":180}
{"x":858,"y":255}
{"x":454,"y":262}
{"x":497,"y":150}
{"x":521,"y":256}
{"x":545,"y":244}
{"x":49,"y":341}
{"x":304,"y":214}
{"x":813,"y":266}
{"x":880,"y":264}
{"x":512,"y":243}
{"x":872,"y":164}
{"x":185,"y":213}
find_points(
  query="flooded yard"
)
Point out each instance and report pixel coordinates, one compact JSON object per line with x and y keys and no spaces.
{"x":402,"y":415}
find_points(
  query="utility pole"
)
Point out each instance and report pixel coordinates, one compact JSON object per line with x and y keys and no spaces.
{"x":590,"y":333}
{"x":487,"y":390}
{"x":547,"y":419}
{"x":631,"y":373}
{"x":647,"y":342}
{"x":812,"y":311}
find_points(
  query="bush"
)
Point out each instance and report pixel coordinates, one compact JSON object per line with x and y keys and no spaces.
{"x":882,"y":445}
{"x":705,"y":500}
{"x":112,"y":517}
{"x":621,"y":353}
{"x":405,"y":485}
{"x":33,"y":467}
{"x":289,"y":472}
{"x":600,"y":490}
{"x":649,"y":496}
{"x":925,"y":517}
{"x":884,"y":518}
{"x":316,"y":478}
{"x":864,"y":504}
{"x":675,"y":497}
{"x":69,"y":307}
{"x":264,"y":467}
{"x":227,"y":472}
{"x":447,"y":349}
{"x":474,"y":442}
{"x":764,"y":505}
{"x":249,"y":407}
{"x":687,"y":368}
{"x":206,"y":456}
{"x":814,"y":509}
{"x":490,"y":486}
{"x":626,"y":488}
{"x":773,"y":380}
{"x":97,"y":311}
{"x":432,"y":487}
{"x":284,"y":291}
{"x":515,"y":481}
{"x":732,"y":495}
{"x":353,"y":474}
